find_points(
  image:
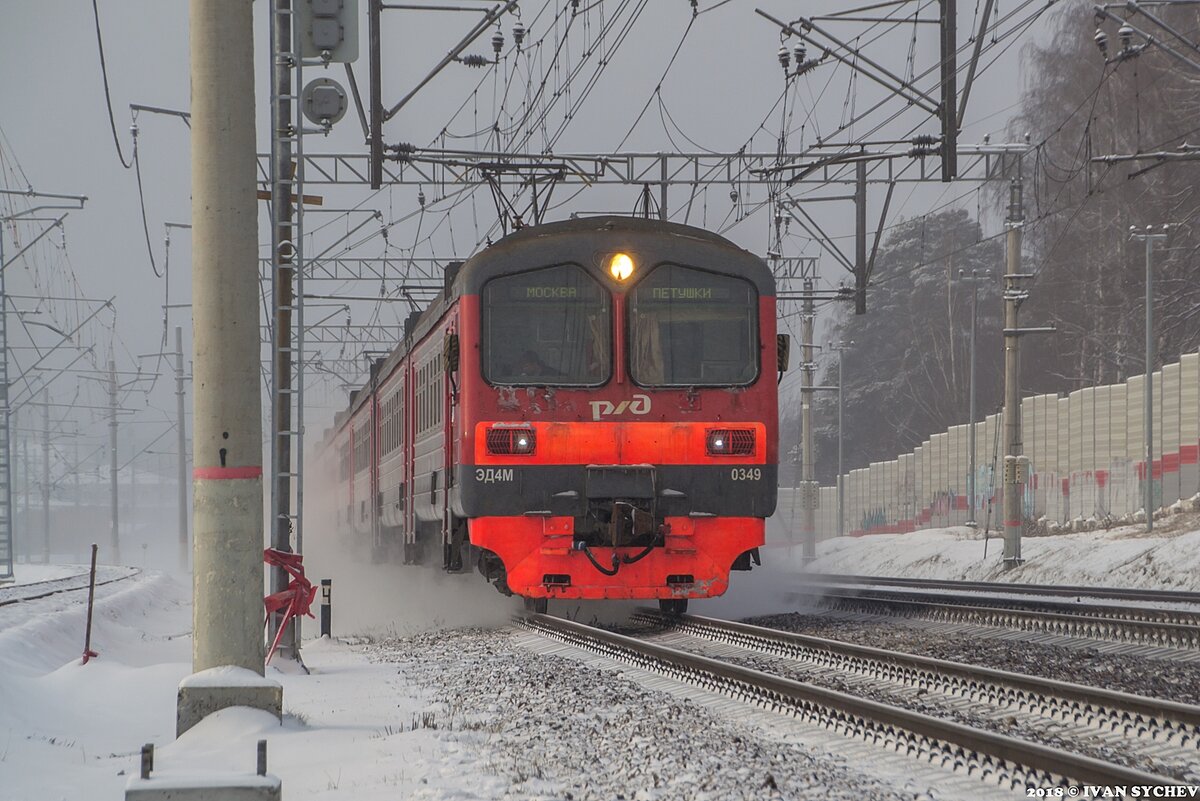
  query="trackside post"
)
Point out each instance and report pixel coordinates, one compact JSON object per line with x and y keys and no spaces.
{"x":88,"y":653}
{"x":326,"y":607}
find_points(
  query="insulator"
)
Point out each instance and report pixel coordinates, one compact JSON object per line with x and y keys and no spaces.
{"x":924,"y":140}
{"x":498,"y":41}
{"x":133,"y":129}
{"x":778,"y":219}
{"x":733,"y":195}
{"x":800,"y":52}
{"x":1126,"y":34}
{"x":518,"y":34}
{"x":574,"y":6}
{"x":475,"y":61}
{"x":421,"y":197}
{"x":1102,"y":41}
{"x":403,"y":151}
{"x":785,"y":57}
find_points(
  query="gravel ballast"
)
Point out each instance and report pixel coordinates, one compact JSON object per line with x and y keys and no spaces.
{"x":977,"y":714}
{"x":556,"y":728}
{"x":1172,"y":681}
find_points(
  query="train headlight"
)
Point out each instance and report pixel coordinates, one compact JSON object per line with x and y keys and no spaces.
{"x":511,"y":441}
{"x":729,"y":442}
{"x":621,"y":266}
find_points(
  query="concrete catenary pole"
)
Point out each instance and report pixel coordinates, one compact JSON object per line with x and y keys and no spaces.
{"x":227,"y":496}
{"x":181,"y":449}
{"x":113,"y":468}
{"x":808,"y":519}
{"x":1013,"y":295}
{"x":1148,"y":411}
{"x":45,"y":477}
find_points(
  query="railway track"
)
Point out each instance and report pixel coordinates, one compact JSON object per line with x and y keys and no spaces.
{"x":1138,"y":729}
{"x":1047,"y":590}
{"x":997,"y":759}
{"x":19,"y":593}
{"x":1125,"y":623}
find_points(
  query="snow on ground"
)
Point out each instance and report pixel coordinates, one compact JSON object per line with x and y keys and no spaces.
{"x":376,"y":719}
{"x":1119,"y":557}
{"x":28,"y":574}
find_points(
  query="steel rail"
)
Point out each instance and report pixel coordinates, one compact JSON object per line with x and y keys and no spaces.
{"x":1145,"y":614}
{"x":1160,"y":720}
{"x":47,"y":593}
{"x":1115,"y":593}
{"x":1000,"y":759}
{"x":1163,"y":633}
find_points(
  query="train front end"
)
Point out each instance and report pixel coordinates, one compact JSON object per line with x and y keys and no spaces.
{"x":618,"y":432}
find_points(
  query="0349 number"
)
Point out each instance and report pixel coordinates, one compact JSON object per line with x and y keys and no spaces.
{"x":746,"y":473}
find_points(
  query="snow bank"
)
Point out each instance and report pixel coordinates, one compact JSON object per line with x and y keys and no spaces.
{"x":1120,"y":557}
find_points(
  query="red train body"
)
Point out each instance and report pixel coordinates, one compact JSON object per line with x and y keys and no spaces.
{"x":573,"y":432}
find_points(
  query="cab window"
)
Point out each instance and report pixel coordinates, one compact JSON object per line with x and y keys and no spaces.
{"x":690,"y":327}
{"x":547,"y":327}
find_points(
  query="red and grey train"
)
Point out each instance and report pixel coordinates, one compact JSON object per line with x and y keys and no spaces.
{"x":587,"y":410}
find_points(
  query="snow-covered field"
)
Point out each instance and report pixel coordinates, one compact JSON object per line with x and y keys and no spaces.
{"x":373,"y":722}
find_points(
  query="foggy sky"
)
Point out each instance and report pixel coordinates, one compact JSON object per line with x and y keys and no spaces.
{"x":724,"y":81}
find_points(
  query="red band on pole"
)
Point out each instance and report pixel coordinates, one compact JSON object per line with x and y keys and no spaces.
{"x":227,"y":472}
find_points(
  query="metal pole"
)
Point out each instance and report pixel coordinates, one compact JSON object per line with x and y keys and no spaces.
{"x":1148,"y":477}
{"x":115,"y":537}
{"x":283,"y":248}
{"x":860,"y":238}
{"x":7,"y":526}
{"x":808,"y":529}
{"x":375,"y":112}
{"x":1012,"y":383}
{"x":88,"y":653}
{"x":45,"y":477}
{"x":662,"y":189}
{"x":1149,"y":407}
{"x":78,"y":522}
{"x":971,"y":501}
{"x":181,"y":445}
{"x":227,"y":519}
{"x":841,"y":488}
{"x":25,"y":491}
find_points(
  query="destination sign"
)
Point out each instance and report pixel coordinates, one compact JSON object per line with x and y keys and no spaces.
{"x":552,"y":292}
{"x":688,"y":293}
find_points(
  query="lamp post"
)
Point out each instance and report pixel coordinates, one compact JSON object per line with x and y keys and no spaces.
{"x":1146,"y":235}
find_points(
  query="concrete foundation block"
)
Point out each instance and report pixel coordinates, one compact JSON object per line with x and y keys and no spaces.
{"x":206,"y":787}
{"x":209,"y":691}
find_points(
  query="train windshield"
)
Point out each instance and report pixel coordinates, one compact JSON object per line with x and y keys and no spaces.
{"x":694,"y":328}
{"x":548,"y":327}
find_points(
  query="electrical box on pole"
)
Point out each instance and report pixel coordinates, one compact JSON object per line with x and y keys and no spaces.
{"x":327,"y":30}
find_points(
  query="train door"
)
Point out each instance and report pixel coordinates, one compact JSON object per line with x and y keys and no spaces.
{"x":373,"y":497}
{"x":408,"y":488}
{"x":454,"y":531}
